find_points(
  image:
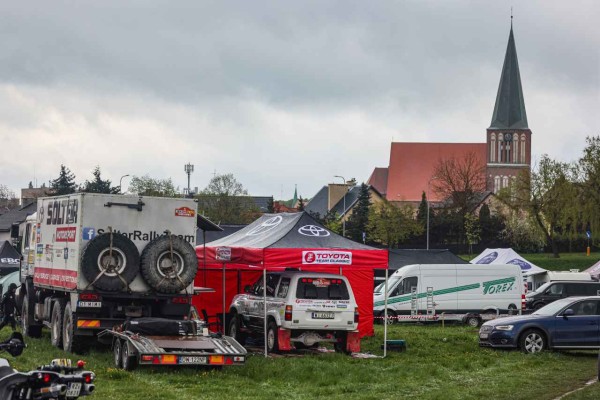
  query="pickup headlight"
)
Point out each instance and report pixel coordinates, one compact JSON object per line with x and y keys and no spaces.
{"x":504,"y":327}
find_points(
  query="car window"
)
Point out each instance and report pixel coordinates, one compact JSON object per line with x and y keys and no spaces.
{"x":592,"y":290}
{"x":586,"y":307}
{"x":556,"y":289}
{"x":406,"y":286}
{"x":322,"y":289}
{"x":272,"y":280}
{"x":284,"y":286}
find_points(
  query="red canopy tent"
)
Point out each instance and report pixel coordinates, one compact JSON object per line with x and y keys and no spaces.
{"x":278,"y":241}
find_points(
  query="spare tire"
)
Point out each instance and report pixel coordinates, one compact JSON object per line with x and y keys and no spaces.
{"x":168,"y":272}
{"x":124,"y":261}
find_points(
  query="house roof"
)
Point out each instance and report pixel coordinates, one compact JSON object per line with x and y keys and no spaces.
{"x":412,"y":166}
{"x":378,"y":180}
{"x":351,"y":197}
{"x":318,"y":204}
{"x":509,"y":111}
{"x":16,"y":216}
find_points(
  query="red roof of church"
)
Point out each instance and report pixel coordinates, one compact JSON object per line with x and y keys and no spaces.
{"x":378,"y":179}
{"x":412,"y":165}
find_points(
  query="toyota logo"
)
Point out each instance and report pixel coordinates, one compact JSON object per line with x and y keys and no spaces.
{"x":310,"y":257}
{"x":313,"y":230}
{"x":266,"y":226}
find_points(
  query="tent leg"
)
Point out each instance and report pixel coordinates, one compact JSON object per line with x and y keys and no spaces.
{"x":385,"y":314}
{"x":224,"y":305}
{"x":265,"y":308}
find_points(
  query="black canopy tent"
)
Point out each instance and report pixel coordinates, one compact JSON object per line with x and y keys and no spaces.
{"x":9,"y":258}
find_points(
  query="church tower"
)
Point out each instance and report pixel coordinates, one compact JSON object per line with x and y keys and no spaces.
{"x":509,"y":136}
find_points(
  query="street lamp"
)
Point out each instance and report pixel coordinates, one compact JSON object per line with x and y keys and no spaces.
{"x":121,"y":181}
{"x":428,"y":183}
{"x":344,"y":210}
{"x":188,"y":168}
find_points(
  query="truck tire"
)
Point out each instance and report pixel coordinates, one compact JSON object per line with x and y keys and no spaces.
{"x":29,"y":328}
{"x":72,"y":343}
{"x":124,"y":262}
{"x":56,"y":321}
{"x":168,"y":272}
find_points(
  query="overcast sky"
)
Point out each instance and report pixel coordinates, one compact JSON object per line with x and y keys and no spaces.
{"x":279,"y":92}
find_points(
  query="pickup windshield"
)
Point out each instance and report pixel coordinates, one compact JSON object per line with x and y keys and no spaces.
{"x":322,"y":289}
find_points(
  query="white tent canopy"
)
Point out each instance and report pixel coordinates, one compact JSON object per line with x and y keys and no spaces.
{"x":594,"y":270}
{"x":507,"y":256}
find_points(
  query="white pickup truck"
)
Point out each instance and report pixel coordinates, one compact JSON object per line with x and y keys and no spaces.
{"x":303,"y":309}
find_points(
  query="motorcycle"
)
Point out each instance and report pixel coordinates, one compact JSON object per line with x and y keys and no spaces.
{"x":58,"y":380}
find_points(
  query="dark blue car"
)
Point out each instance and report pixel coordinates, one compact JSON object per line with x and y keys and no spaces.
{"x":569,"y":324}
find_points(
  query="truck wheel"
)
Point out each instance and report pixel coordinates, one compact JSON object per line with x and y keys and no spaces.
{"x":117,"y":353}
{"x":169,"y":271}
{"x":72,"y":343}
{"x":56,"y":321}
{"x":29,"y":329}
{"x":234,"y":329}
{"x":341,"y":343}
{"x":272,"y":337}
{"x":122,"y":261}
{"x":128,"y":360}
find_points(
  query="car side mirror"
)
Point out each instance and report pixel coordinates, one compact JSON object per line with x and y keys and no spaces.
{"x":568,"y":313}
{"x":247,"y":289}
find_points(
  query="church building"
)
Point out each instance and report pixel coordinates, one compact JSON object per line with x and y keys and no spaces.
{"x":506,"y":152}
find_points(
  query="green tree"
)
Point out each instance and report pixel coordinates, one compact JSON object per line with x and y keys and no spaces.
{"x":359,"y":219}
{"x":333,"y":222}
{"x":98,"y":185}
{"x":390,"y":225}
{"x":589,"y":172}
{"x":225,"y":200}
{"x":301,"y":204}
{"x":472,"y":230}
{"x":65,"y":183}
{"x":147,"y":186}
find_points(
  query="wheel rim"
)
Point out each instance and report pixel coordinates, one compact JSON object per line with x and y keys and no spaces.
{"x":534,"y":343}
{"x":168,"y":268}
{"x":391,"y":318}
{"x":270,"y":339}
{"x":232,"y":329}
{"x":125,"y":355}
{"x":473,"y":322}
{"x":67,"y":331}
{"x":117,"y":354}
{"x":55,"y":330}
{"x":106,"y":260}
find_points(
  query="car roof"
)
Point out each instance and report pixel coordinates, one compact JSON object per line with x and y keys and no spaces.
{"x":304,"y":274}
{"x":582,"y":282}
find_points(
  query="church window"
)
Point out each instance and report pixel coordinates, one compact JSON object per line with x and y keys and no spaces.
{"x":500,"y":138}
{"x":505,"y":181}
{"x":496,"y":184}
{"x":493,"y":148}
{"x":516,"y":149}
{"x":505,"y":155}
{"x":523,"y":144}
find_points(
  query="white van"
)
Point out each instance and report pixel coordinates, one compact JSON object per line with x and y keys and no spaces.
{"x":453,"y":289}
{"x":534,"y":281}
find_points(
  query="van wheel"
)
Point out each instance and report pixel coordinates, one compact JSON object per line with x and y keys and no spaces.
{"x":512,"y":309}
{"x":391,"y":317}
{"x":110,"y":267}
{"x":537,"y":306}
{"x":532,"y":341}
{"x":169,"y":264}
{"x":29,"y":329}
{"x":272,"y":338}
{"x":56,"y":321}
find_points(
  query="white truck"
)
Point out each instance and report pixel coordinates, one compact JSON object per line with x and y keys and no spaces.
{"x":464,"y":292}
{"x":92,"y":261}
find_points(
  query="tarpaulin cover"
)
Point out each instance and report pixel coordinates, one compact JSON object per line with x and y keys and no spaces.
{"x":278,"y":241}
{"x":507,"y":256}
{"x":9,"y":258}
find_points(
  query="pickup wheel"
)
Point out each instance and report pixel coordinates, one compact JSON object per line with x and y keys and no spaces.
{"x":234,"y":329}
{"x":72,"y":343}
{"x":128,"y":360}
{"x":169,"y":264}
{"x":56,"y":321}
{"x":29,"y":329}
{"x":110,"y":268}
{"x":272,"y":337}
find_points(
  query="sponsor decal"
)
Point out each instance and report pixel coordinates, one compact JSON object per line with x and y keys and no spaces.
{"x":40,"y":216}
{"x":488,"y":258}
{"x":321,"y":282}
{"x":342,"y":306}
{"x":313,"y":230}
{"x":66,"y":253}
{"x":8,"y":260}
{"x":223,"y":254}
{"x":88,"y":233}
{"x":148,"y":236}
{"x":61,"y":212}
{"x":49,"y":253}
{"x":521,"y":263}
{"x":65,"y":234}
{"x":58,"y":253}
{"x":184,"y":212}
{"x":40,"y":249}
{"x":267,"y":225}
{"x":327,"y":257}
{"x":55,"y":277}
{"x":498,"y":286}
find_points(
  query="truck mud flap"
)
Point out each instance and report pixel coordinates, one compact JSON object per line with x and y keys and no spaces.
{"x":284,"y":336}
{"x":353,"y":342}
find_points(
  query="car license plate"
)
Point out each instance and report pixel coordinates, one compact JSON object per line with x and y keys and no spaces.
{"x":323,"y":315}
{"x":89,"y":304}
{"x":73,"y":389}
{"x":192,"y":360}
{"x":483,"y":335}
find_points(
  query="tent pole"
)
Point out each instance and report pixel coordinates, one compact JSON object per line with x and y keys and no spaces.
{"x":204,"y":250}
{"x":385,"y":315}
{"x":224,"y":306}
{"x":265,"y":307}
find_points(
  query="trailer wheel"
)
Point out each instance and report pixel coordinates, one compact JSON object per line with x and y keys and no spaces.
{"x":72,"y":343}
{"x":56,"y":321}
{"x":128,"y":360}
{"x":169,"y":264}
{"x":29,"y":329}
{"x":110,"y":268}
{"x":117,"y":353}
{"x":473,"y":321}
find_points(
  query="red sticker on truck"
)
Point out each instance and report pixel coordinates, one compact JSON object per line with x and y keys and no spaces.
{"x":65,"y":234}
{"x":184,"y":212}
{"x":55,"y":277}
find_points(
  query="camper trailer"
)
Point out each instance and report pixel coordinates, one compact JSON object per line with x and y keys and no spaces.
{"x":451,"y":291}
{"x":534,"y":281}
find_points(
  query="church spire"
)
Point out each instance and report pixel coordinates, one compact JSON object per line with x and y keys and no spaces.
{"x":509,"y":111}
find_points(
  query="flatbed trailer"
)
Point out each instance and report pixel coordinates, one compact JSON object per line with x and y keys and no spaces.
{"x":203,"y":348}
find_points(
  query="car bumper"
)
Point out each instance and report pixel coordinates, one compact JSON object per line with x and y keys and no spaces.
{"x":498,"y":339}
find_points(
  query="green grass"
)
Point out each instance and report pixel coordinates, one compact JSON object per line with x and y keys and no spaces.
{"x":440,"y":363}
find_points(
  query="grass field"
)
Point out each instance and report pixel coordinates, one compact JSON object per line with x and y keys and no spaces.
{"x":440,"y":363}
